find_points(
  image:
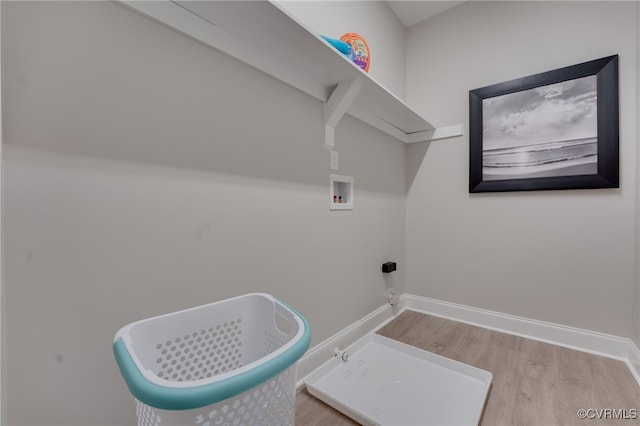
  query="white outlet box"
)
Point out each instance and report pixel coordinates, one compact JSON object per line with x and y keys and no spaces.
{"x":340,"y":192}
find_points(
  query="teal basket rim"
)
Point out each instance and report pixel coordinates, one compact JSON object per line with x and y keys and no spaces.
{"x":185,"y":398}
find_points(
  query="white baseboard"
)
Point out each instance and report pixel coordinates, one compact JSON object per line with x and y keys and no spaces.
{"x":324,"y":351}
{"x":633,"y":361}
{"x":619,"y":348}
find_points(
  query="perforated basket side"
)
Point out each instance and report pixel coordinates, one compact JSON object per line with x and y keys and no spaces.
{"x":199,"y":335}
{"x":211,"y":363}
{"x":201,"y":354}
{"x":271,"y":403}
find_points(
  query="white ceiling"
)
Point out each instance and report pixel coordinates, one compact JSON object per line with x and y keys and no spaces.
{"x":414,"y":11}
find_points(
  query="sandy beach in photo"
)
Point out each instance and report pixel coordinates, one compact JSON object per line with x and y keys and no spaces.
{"x":561,"y":158}
{"x":574,"y":169}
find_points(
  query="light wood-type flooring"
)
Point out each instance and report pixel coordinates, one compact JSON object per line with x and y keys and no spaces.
{"x":534,"y":383}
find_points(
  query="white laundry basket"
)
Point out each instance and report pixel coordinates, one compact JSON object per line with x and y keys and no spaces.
{"x":228,"y":363}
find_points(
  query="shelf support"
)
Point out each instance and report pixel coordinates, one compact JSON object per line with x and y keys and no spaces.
{"x":337,"y":105}
{"x":435,"y":134}
{"x":252,"y":41}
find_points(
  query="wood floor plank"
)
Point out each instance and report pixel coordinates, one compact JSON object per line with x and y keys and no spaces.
{"x":534,"y":383}
{"x":312,"y":411}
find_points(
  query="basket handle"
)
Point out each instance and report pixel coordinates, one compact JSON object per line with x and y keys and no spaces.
{"x":284,"y":319}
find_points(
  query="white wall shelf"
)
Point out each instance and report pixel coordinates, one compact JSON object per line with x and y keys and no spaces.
{"x":265,"y":36}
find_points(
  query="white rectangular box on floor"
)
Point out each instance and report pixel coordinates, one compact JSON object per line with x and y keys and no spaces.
{"x":386,"y":382}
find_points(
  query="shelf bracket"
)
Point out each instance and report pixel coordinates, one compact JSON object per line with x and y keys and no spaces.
{"x":337,"y":105}
{"x":435,"y":134}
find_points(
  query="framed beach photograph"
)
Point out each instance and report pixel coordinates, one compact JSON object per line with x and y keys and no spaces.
{"x":554,"y":130}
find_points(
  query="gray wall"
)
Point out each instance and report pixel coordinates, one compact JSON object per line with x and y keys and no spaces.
{"x":636,"y":298}
{"x":567,"y":257}
{"x":145,"y":173}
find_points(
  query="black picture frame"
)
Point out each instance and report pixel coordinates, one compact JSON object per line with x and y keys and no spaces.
{"x":537,"y":132}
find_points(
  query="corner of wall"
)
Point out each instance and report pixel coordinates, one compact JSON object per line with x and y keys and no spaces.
{"x":3,"y":405}
{"x":636,"y":289}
